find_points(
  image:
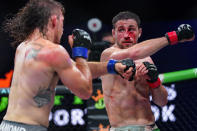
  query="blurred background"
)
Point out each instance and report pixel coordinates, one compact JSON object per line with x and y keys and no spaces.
{"x":177,"y":64}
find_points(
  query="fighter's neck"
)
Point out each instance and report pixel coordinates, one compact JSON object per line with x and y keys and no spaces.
{"x":38,"y":35}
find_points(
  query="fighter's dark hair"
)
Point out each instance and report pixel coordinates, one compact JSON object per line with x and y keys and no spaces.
{"x":35,"y":14}
{"x":125,"y":15}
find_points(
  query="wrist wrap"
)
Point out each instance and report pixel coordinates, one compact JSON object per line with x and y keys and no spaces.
{"x":155,"y":84}
{"x":111,"y":66}
{"x":172,"y":37}
{"x":80,"y":52}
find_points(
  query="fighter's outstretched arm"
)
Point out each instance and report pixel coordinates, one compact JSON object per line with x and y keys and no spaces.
{"x":98,"y":68}
{"x":141,"y":50}
{"x":112,"y":67}
{"x":147,"y":48}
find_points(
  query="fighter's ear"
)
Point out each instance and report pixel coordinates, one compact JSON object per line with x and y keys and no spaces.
{"x":54,"y":20}
{"x":113,"y":32}
{"x":140,"y":32}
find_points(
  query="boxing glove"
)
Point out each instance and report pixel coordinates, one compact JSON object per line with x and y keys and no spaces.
{"x":184,"y":32}
{"x":128,"y":62}
{"x":81,"y":43}
{"x":153,"y":74}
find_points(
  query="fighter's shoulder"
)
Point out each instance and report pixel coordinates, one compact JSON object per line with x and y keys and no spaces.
{"x":107,"y":53}
{"x":54,"y":54}
{"x":110,"y":50}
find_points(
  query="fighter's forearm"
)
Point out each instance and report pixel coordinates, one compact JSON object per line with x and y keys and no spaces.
{"x":142,"y":49}
{"x":98,"y":68}
{"x":147,"y":48}
{"x":159,"y":96}
{"x":82,"y":65}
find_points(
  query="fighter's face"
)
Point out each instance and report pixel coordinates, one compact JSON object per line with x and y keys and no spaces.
{"x":126,"y":33}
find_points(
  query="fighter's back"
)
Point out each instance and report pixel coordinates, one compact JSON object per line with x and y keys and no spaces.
{"x":33,"y":84}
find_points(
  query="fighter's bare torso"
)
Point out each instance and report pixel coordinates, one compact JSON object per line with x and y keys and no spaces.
{"x":127,"y":103}
{"x":33,"y":87}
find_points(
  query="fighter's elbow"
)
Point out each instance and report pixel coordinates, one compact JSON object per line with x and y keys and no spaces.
{"x":162,"y":103}
{"x":86,"y":93}
{"x":86,"y":97}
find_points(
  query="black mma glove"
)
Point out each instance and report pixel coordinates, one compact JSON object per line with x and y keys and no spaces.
{"x":184,"y":31}
{"x":128,"y":62}
{"x":81,"y":43}
{"x":153,"y":74}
